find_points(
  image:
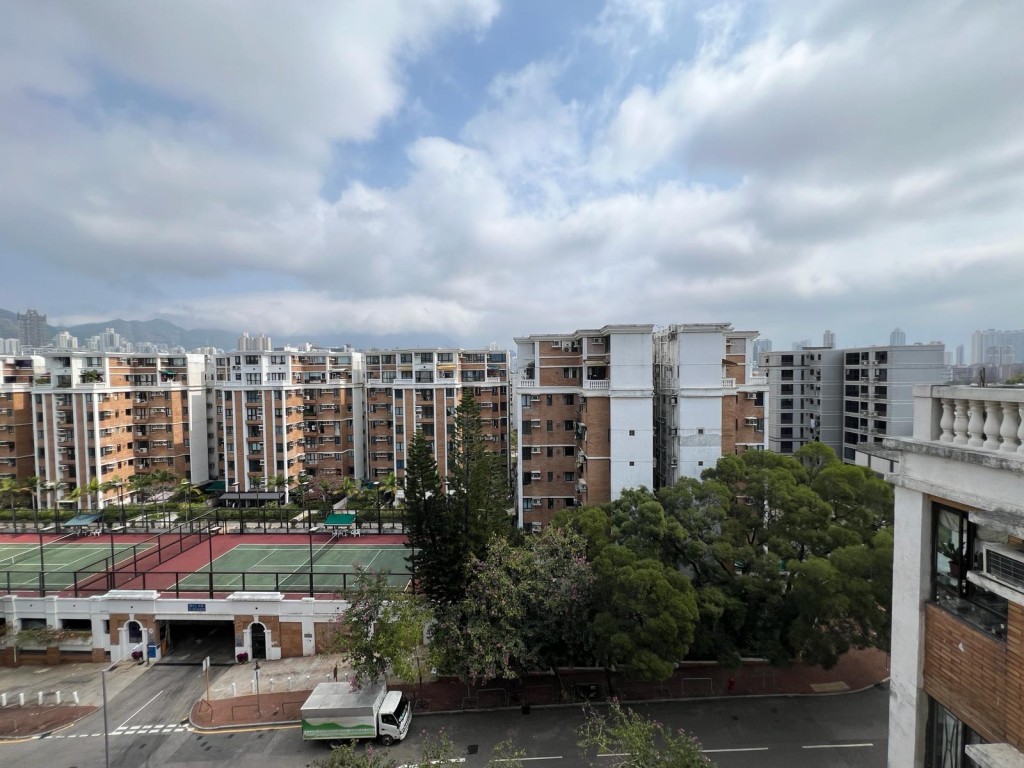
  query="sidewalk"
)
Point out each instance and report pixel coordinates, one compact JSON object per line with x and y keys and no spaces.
{"x":285,"y":685}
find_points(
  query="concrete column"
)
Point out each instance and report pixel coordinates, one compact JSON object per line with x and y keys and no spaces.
{"x":911,"y":578}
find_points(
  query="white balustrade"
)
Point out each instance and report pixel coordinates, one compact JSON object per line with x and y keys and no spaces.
{"x":992,"y":425}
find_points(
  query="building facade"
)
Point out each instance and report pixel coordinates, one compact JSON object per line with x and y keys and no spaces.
{"x":104,"y":418}
{"x":849,"y":399}
{"x":584,"y":406}
{"x":707,"y":402}
{"x":32,"y":331}
{"x":17,"y":447}
{"x":957,"y":684}
{"x":992,"y":347}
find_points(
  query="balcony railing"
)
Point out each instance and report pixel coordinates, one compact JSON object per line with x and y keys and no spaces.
{"x":596,"y":384}
{"x":990,"y":419}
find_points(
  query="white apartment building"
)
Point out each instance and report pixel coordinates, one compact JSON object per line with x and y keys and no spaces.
{"x":707,"y":402}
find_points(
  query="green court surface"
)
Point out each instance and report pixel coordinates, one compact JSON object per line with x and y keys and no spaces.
{"x":20,"y":565}
{"x":264,"y":567}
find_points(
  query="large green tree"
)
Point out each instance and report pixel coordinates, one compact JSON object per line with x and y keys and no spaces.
{"x":381,"y":632}
{"x":478,"y":482}
{"x":437,"y":545}
{"x":526,"y":606}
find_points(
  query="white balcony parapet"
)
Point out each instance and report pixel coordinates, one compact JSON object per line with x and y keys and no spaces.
{"x":979,"y":418}
{"x":729,"y":383}
{"x":597,"y":384}
{"x":525,"y":383}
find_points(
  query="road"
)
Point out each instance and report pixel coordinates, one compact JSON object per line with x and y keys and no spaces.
{"x":847,"y":731}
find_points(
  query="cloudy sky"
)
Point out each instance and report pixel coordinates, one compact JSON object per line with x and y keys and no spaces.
{"x":481,"y":169}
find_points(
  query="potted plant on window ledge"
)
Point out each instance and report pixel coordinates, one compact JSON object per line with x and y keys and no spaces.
{"x":956,"y":558}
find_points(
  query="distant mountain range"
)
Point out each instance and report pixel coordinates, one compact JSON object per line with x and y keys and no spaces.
{"x":166,"y":332}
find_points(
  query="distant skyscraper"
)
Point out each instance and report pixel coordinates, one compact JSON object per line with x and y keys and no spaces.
{"x":828,"y":340}
{"x":984,"y":341}
{"x":960,"y":355}
{"x":760,"y":347}
{"x":64,"y":340}
{"x":798,"y":345}
{"x":898,"y":338}
{"x":32,"y":329}
{"x":261,"y":343}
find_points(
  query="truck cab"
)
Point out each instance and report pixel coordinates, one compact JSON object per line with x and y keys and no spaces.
{"x":395,"y":718}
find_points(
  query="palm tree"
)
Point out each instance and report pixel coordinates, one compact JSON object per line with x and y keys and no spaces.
{"x":118,"y":483}
{"x":140,"y":484}
{"x":277,"y":484}
{"x":164,"y":480}
{"x":12,"y":488}
{"x":192,"y":493}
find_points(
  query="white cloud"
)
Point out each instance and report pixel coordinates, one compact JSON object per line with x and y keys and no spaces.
{"x":845,"y":167}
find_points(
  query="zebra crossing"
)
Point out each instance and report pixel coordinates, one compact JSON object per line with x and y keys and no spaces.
{"x":130,"y":730}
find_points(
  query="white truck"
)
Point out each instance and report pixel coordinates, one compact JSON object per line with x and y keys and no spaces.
{"x":335,"y":713}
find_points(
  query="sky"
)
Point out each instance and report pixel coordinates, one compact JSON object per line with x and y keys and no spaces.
{"x":480,"y":169}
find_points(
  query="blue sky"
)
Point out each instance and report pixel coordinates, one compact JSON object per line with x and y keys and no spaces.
{"x":478,"y":169}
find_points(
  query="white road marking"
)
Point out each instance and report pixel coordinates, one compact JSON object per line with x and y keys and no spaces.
{"x":122,"y":725}
{"x":837,"y":746}
{"x":736,"y":749}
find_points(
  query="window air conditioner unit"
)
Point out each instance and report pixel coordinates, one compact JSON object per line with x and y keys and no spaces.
{"x":751,"y":395}
{"x":674,"y":463}
{"x":537,"y":449}
{"x":675,"y":431}
{"x":534,"y":398}
{"x":566,"y":346}
{"x":535,"y":423}
{"x":673,"y":400}
{"x":535,"y":475}
{"x":1005,"y":564}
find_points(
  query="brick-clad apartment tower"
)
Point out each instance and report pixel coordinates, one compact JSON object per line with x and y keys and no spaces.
{"x":584,"y":405}
{"x":107,"y":417}
{"x":17,"y":373}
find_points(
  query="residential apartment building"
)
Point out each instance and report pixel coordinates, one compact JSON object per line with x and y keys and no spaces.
{"x":584,"y":406}
{"x":285,"y":413}
{"x":32,"y":329}
{"x":419,"y":389}
{"x":957,"y":684}
{"x":849,"y":399}
{"x":17,"y":449}
{"x":106,"y":417}
{"x":343,"y":413}
{"x":707,"y":403}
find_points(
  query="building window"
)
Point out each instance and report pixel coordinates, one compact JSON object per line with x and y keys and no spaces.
{"x":959,"y":548}
{"x":632,"y":433}
{"x":947,"y":738}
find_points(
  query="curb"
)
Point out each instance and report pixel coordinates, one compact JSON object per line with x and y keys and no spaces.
{"x":285,"y":724}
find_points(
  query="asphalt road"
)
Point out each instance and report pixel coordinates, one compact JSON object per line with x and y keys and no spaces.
{"x":846,"y":731}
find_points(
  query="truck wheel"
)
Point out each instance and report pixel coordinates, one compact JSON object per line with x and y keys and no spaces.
{"x":387,"y":739}
{"x":335,"y":743}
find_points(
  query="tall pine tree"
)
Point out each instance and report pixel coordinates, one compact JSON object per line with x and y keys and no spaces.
{"x":477,"y":479}
{"x":439,"y":553}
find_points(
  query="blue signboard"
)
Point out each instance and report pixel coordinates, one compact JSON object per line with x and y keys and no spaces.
{"x":194,"y":607}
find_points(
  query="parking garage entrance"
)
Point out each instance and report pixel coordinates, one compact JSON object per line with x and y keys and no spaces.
{"x":189,"y":641}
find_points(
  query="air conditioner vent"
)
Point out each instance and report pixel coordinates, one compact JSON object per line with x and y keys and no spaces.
{"x":1005,"y":564}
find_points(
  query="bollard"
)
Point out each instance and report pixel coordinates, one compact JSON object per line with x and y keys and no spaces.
{"x":21,"y":699}
{"x":74,"y":695}
{"x":234,"y":690}
{"x":40,"y":698}
{"x":252,"y":686}
{"x":289,"y":682}
{"x":57,"y":693}
{"x":3,"y":699}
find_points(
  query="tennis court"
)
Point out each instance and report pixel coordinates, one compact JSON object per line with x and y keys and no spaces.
{"x":284,"y":567}
{"x":20,"y":565}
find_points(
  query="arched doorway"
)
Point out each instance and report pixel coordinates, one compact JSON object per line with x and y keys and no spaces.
{"x":258,"y":639}
{"x":134,"y":632}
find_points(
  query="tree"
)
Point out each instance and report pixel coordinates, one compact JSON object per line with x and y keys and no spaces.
{"x":627,"y":740}
{"x":438,"y":550}
{"x":478,"y":480}
{"x":646,"y":617}
{"x":381,"y":631}
{"x":791,"y":567}
{"x":525,"y":607}
{"x":12,"y":488}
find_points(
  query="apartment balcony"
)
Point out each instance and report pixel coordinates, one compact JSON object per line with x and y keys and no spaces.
{"x":524,"y":383}
{"x":597,"y":384}
{"x":989,"y":419}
